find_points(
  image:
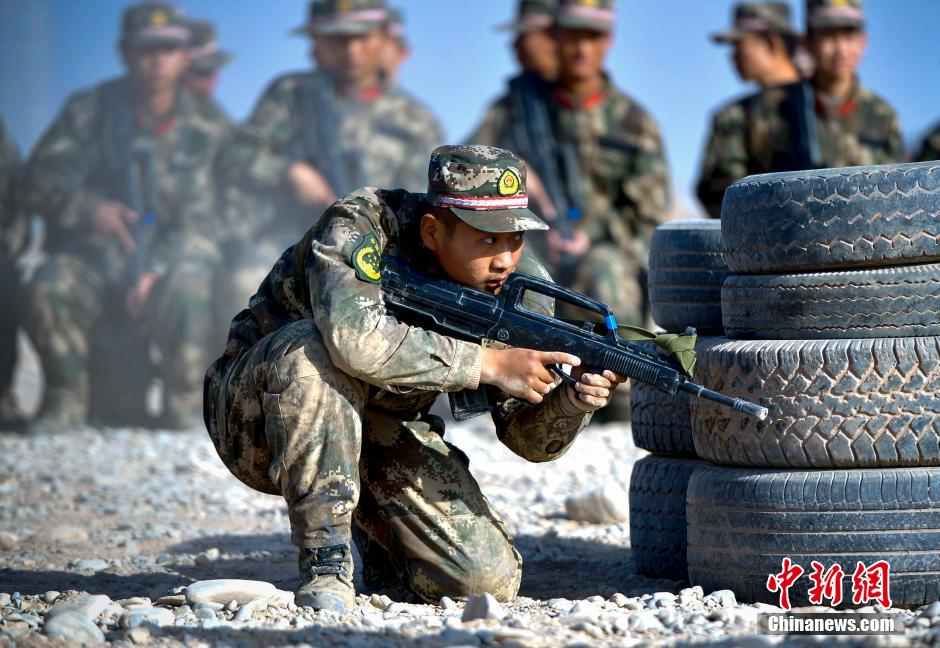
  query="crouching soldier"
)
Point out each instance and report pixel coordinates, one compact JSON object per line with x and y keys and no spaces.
{"x":322,"y":396}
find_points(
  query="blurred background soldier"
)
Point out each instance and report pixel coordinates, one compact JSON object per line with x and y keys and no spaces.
{"x":599,"y":157}
{"x":397,"y":49}
{"x":534,"y":43}
{"x":123,"y":178}
{"x":930,"y":147}
{"x":206,"y":59}
{"x":13,"y":238}
{"x":828,"y":121}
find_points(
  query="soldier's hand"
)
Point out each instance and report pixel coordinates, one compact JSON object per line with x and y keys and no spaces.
{"x":140,"y":293}
{"x":577,"y":245}
{"x":523,"y":373}
{"x":310,"y":187}
{"x":593,"y":391}
{"x":112,"y":219}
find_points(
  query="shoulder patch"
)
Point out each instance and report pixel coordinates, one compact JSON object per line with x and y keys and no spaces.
{"x":366,"y":259}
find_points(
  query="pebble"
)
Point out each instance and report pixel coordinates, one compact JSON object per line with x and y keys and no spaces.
{"x":931,"y":610}
{"x":133,"y":601}
{"x":225,"y":590}
{"x":4,"y":599}
{"x":92,"y":564}
{"x":247,"y":610}
{"x":645,"y":620}
{"x":619,"y":599}
{"x":8,"y":541}
{"x":446,"y":603}
{"x":583,"y":610}
{"x":61,"y":534}
{"x":608,"y":504}
{"x":560,"y":604}
{"x":90,"y":606}
{"x":141,"y":614}
{"x":380,"y":601}
{"x":482,"y":606}
{"x":172,"y":600}
{"x":51,"y":596}
{"x":662,"y":599}
{"x":721,"y":598}
{"x":204,"y":613}
{"x":73,"y":627}
{"x":139,"y":636}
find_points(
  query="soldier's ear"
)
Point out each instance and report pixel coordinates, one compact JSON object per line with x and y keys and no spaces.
{"x":431,"y":229}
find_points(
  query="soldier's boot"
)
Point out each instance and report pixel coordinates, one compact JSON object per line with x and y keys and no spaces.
{"x":326,"y":579}
{"x":63,"y":409}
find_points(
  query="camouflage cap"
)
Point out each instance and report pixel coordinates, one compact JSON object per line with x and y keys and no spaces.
{"x":532,"y":15}
{"x":154,"y":24}
{"x":483,"y":186}
{"x":396,"y":23}
{"x":751,"y":17}
{"x":830,"y":14}
{"x":596,"y":15}
{"x":344,"y":17}
{"x":205,"y":55}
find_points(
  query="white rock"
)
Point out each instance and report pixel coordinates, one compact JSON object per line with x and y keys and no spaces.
{"x":585,"y":609}
{"x":61,"y":534}
{"x":8,"y":541}
{"x":92,"y":564}
{"x":931,"y":610}
{"x":281,"y":598}
{"x":172,"y":600}
{"x":135,"y":601}
{"x":645,"y":620}
{"x":606,"y":505}
{"x":247,"y":610}
{"x":50,"y":596}
{"x":380,"y":601}
{"x":560,"y":604}
{"x":90,"y":606}
{"x":208,"y":605}
{"x":721,"y":598}
{"x":482,"y":606}
{"x":73,"y":627}
{"x":139,"y":615}
{"x":224,"y":590}
{"x":447,"y":603}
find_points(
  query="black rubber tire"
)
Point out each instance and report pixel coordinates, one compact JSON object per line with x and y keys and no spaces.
{"x":657,"y":516}
{"x":685,"y":276}
{"x":887,"y":302}
{"x":742,"y":523}
{"x":855,"y":217}
{"x":864,"y":403}
{"x":661,"y":424}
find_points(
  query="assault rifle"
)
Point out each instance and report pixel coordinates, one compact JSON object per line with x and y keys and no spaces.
{"x":468,"y":314}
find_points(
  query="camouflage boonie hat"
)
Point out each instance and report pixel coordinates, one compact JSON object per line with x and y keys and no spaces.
{"x":532,"y":15}
{"x":154,"y":24}
{"x":831,"y":14}
{"x":205,"y":55}
{"x":596,"y":15}
{"x":396,"y":24}
{"x":344,"y":17}
{"x":751,"y":17}
{"x":483,"y":186}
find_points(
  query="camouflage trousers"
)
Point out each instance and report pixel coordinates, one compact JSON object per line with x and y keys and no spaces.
{"x":286,"y":422}
{"x":70,"y":298}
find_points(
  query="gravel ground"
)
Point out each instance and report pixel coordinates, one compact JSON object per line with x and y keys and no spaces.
{"x":108,"y":528}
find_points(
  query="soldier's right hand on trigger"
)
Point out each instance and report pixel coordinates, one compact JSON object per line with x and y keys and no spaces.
{"x":523,"y":373}
{"x":112,"y":219}
{"x":309,"y":185}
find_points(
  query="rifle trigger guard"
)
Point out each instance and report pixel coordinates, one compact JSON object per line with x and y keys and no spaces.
{"x":566,"y":378}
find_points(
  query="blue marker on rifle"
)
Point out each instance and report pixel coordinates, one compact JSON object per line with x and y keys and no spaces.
{"x":574,"y":214}
{"x":611,"y":322}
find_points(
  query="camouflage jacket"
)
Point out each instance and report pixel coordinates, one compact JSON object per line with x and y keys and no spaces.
{"x":406,"y":366}
{"x":389,"y":136}
{"x":930,"y":147}
{"x":13,"y":224}
{"x":624,"y":175}
{"x":94,"y":152}
{"x":751,"y":136}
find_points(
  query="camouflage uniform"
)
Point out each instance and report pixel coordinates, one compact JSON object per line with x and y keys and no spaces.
{"x":13,"y":233}
{"x":930,"y":147}
{"x":624,"y":183}
{"x":752,"y":135}
{"x":324,"y":398}
{"x":89,"y":156}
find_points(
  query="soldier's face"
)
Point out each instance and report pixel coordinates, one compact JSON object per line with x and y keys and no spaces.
{"x":581,"y":52}
{"x":356,"y":58}
{"x":537,"y":52}
{"x":470,"y":256}
{"x":752,"y":57}
{"x":157,"y":68}
{"x":837,"y":52}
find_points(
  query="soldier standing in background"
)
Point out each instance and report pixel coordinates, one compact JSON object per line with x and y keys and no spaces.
{"x":534,"y":43}
{"x":839,"y":123}
{"x":123,"y":178}
{"x":397,"y":49}
{"x":206,"y":60}
{"x":13,"y":237}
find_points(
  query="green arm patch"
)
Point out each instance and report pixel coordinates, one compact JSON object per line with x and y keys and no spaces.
{"x":366,"y":259}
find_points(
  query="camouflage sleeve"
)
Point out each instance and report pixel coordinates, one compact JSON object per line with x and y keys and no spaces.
{"x":363,"y":340}
{"x":492,"y":130}
{"x":930,"y":148}
{"x":725,"y":159}
{"x":646,"y":190}
{"x":257,"y":154}
{"x":54,"y":179}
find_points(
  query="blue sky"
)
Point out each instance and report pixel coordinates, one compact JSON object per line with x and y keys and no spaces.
{"x":662,"y":56}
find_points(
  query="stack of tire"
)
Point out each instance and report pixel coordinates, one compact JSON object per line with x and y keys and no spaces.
{"x":685,"y":278}
{"x":832,"y":315}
